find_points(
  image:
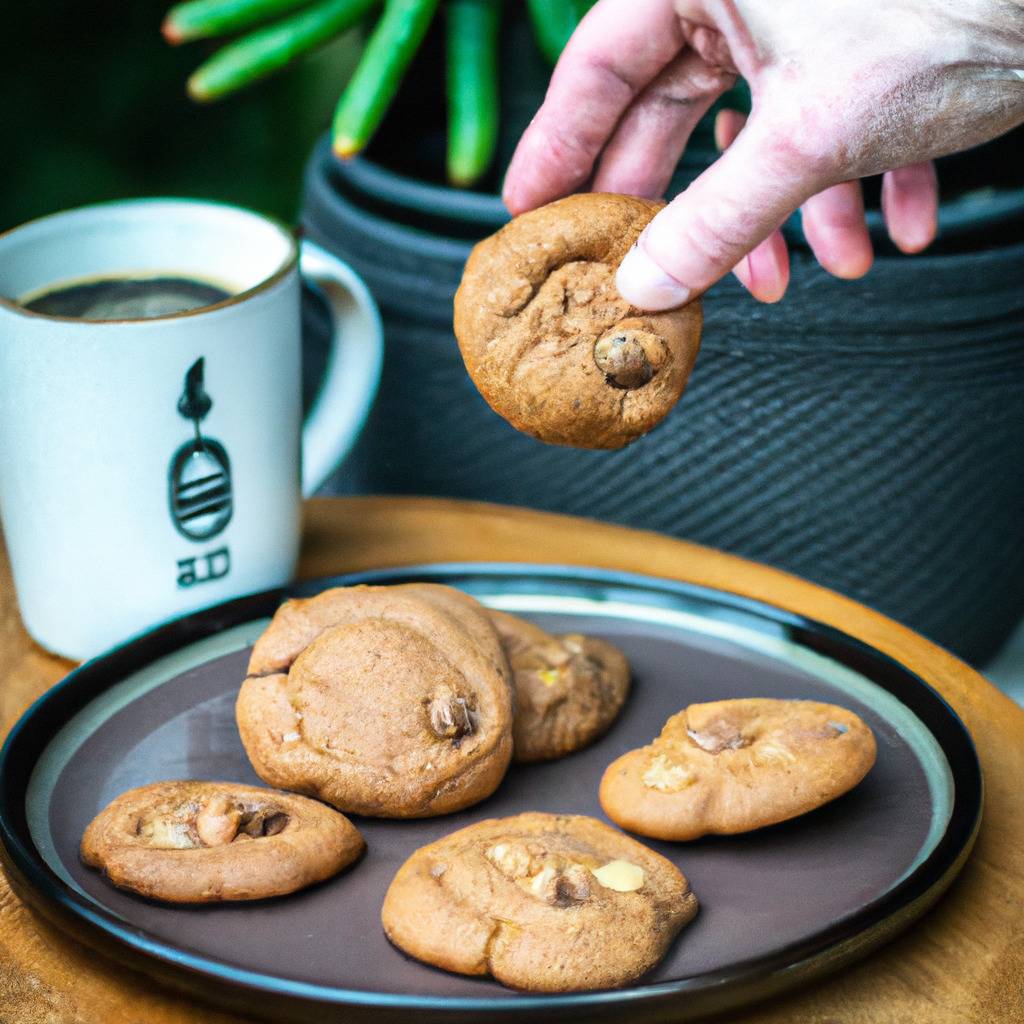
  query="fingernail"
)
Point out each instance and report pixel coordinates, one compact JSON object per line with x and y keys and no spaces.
{"x":643,"y":283}
{"x":506,"y":189}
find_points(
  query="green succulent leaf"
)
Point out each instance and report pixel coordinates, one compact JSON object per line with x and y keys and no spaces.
{"x":203,"y":19}
{"x":266,"y":50}
{"x":390,"y":48}
{"x":472,"y":59}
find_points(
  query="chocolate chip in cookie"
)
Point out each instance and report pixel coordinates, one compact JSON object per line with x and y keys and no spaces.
{"x":549,"y":341}
{"x":543,"y":902}
{"x":569,"y":689}
{"x":384,"y":701}
{"x":204,"y":842}
{"x":736,"y":765}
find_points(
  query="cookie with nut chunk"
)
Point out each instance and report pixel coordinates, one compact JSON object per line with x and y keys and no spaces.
{"x":542,"y":902}
{"x":569,"y":689}
{"x":206,"y":842}
{"x":551,"y":344}
{"x":392,"y":702}
{"x":736,"y":765}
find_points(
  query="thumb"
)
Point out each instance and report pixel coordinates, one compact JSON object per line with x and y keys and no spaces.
{"x":706,"y":230}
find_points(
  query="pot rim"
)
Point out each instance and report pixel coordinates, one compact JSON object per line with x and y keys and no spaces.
{"x":364,"y":178}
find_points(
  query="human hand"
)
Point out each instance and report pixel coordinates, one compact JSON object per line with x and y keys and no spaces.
{"x":840,"y":90}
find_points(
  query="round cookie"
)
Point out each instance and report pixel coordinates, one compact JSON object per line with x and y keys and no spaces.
{"x":543,"y":902}
{"x":569,"y":689}
{"x":204,"y":842}
{"x":736,"y":765}
{"x":387,"y":701}
{"x":548,"y":340}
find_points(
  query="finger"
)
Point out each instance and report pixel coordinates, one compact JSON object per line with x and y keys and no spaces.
{"x":910,"y":206}
{"x":834,"y":227}
{"x":833,"y":220}
{"x":735,"y":204}
{"x":650,"y":138}
{"x":728,"y":124}
{"x":616,"y":50}
{"x":764,"y":272}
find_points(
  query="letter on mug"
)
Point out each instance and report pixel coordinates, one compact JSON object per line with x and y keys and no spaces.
{"x":217,"y":565}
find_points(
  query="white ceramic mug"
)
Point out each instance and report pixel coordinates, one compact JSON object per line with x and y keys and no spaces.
{"x":126,"y":497}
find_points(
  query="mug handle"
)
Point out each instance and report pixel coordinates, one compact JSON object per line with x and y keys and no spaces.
{"x":354,"y":361}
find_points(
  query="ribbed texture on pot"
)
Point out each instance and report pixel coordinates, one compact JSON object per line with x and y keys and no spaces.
{"x":866,"y":435}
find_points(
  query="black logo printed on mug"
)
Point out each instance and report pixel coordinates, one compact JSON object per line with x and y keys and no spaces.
{"x":199,"y":479}
{"x":203,"y":568}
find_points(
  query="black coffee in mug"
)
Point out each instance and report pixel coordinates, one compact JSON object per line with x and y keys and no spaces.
{"x":125,"y":298}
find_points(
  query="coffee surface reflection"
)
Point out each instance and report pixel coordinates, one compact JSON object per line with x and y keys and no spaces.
{"x":126,"y":298}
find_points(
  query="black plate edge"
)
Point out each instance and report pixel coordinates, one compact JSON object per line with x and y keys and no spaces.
{"x":823,"y":953}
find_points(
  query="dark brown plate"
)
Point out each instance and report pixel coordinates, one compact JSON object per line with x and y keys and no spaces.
{"x":777,"y":906}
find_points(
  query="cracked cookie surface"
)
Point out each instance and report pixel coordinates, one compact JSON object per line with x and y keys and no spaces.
{"x":206,"y":842}
{"x":736,"y":765}
{"x":385,"y":701}
{"x":569,"y":688}
{"x":548,"y":340}
{"x":542,"y":902}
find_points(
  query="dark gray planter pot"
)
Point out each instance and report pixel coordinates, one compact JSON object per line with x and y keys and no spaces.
{"x":866,"y":435}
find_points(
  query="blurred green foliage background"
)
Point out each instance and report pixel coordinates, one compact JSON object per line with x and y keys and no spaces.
{"x":94,"y":108}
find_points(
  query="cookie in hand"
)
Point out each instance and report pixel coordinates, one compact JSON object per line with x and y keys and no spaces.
{"x":548,"y":340}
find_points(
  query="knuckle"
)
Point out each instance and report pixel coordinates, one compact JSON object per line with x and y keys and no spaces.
{"x":807,"y":141}
{"x":699,"y":85}
{"x":797,"y":152}
{"x":566,"y":149}
{"x":709,"y":43}
{"x":612,"y":75}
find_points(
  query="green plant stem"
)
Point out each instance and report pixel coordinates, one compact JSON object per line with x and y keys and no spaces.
{"x":472,"y":56}
{"x":553,"y":22}
{"x":201,"y":19}
{"x":269,"y":49}
{"x":375,"y":81}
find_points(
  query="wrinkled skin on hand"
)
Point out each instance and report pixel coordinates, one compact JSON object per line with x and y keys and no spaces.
{"x":840,"y":90}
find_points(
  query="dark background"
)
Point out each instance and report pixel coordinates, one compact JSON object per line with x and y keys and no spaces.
{"x":94,"y":108}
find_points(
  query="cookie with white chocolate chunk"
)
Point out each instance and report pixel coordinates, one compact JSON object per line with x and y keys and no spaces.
{"x":206,"y":842}
{"x":736,"y":765}
{"x":569,"y":689}
{"x":385,"y":701}
{"x":542,"y":902}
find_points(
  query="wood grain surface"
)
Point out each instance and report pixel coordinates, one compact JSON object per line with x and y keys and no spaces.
{"x":963,"y":962}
